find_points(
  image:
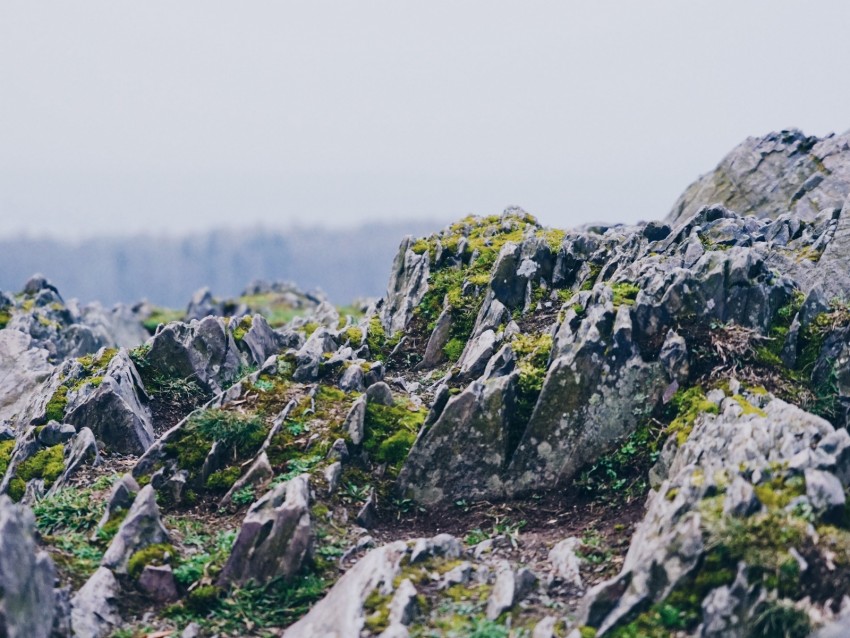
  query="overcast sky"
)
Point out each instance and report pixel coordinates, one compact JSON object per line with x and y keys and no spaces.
{"x":179,"y":116}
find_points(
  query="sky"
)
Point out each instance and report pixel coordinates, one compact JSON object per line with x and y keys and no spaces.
{"x":176,"y":117}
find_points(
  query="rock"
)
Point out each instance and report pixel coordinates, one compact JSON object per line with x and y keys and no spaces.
{"x":352,"y":379}
{"x":434,"y":354}
{"x":276,"y":536}
{"x":545,"y":628}
{"x":444,"y":545}
{"x":403,"y":606}
{"x":258,"y":475}
{"x":463,"y":454}
{"x":202,"y":350}
{"x":408,"y":284}
{"x":458,"y":575}
{"x":140,"y":528}
{"x":332,"y":474}
{"x":824,"y":490}
{"x":565,"y":563}
{"x":121,"y":497}
{"x":116,"y":411}
{"x":368,"y":514}
{"x":24,"y":367}
{"x":54,"y":433}
{"x":157,"y":581}
{"x":340,"y":613}
{"x":94,"y":611}
{"x":338,"y":451}
{"x":355,"y":420}
{"x":478,"y":353}
{"x":508,"y":589}
{"x":774,"y":174}
{"x":82,"y":451}
{"x":380,"y":394}
{"x":741,"y":499}
{"x":28,"y":604}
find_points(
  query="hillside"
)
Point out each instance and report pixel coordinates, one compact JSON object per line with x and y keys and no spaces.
{"x":624,"y":431}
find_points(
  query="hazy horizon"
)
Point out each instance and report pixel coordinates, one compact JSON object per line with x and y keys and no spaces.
{"x":177,"y":118}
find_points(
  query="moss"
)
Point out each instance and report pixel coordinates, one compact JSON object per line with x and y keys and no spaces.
{"x":55,"y":410}
{"x":159,"y":554}
{"x":420,"y":246}
{"x":91,"y":362}
{"x":223,"y":480}
{"x":6,"y":449}
{"x":310,"y":327}
{"x":5,"y":317}
{"x":390,"y":432}
{"x":454,"y":348}
{"x":689,"y":404}
{"x":110,"y":528}
{"x":592,"y":276}
{"x":243,"y":327}
{"x":377,"y":608}
{"x":17,"y":489}
{"x":376,"y":338}
{"x":354,"y":335}
{"x":47,"y":464}
{"x":625,"y":293}
{"x":748,"y":407}
{"x":203,"y":599}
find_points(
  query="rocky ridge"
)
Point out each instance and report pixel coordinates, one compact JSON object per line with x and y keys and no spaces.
{"x":608,"y":431}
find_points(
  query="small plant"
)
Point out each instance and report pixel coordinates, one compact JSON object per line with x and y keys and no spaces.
{"x":68,"y":509}
{"x":245,"y":496}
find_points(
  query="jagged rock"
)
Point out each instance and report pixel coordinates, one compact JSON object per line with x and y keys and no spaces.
{"x":380,"y":393}
{"x":510,"y":588}
{"x":355,"y":420}
{"x":367,"y":516}
{"x":258,"y":474}
{"x":408,"y":284}
{"x":775,"y":174}
{"x":737,"y":445}
{"x":202,"y":350}
{"x":81,"y":451}
{"x":28,"y":603}
{"x":116,"y":411}
{"x":338,"y":451}
{"x":260,"y":341}
{"x":444,"y":545}
{"x":309,"y":356}
{"x":458,"y":575}
{"x":463,"y":454}
{"x":478,"y":353}
{"x":332,"y":474}
{"x":403,"y":606}
{"x":824,"y":490}
{"x":25,"y":367}
{"x":157,"y":581}
{"x":54,"y":433}
{"x":352,"y":379}
{"x":276,"y":536}
{"x":434,"y":354}
{"x":121,"y":497}
{"x":139,"y":529}
{"x":94,"y":611}
{"x":565,"y":564}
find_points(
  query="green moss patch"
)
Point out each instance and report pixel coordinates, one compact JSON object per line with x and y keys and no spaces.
{"x":390,"y":432}
{"x":47,"y":464}
{"x":55,"y":410}
{"x":159,"y":554}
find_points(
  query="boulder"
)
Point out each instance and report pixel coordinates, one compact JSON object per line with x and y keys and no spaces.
{"x":141,"y":528}
{"x":28,"y":602}
{"x":276,"y":537}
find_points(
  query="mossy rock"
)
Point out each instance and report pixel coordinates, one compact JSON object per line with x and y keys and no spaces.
{"x":159,"y":554}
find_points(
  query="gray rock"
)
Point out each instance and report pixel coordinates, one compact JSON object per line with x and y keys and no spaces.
{"x":116,"y":411}
{"x":340,"y":613}
{"x":477,"y":353}
{"x":157,"y":581}
{"x":257,"y":475}
{"x":276,"y":536}
{"x":824,"y":490}
{"x":508,"y":589}
{"x":54,"y":433}
{"x":25,"y":367}
{"x":140,"y":528}
{"x":121,"y":497}
{"x":81,"y":451}
{"x":565,"y":564}
{"x":463,"y":454}
{"x":367,"y":517}
{"x":408,"y":284}
{"x":352,"y":379}
{"x":380,"y":393}
{"x":94,"y":611}
{"x":28,"y":604}
{"x":434,"y":354}
{"x":355,"y":420}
